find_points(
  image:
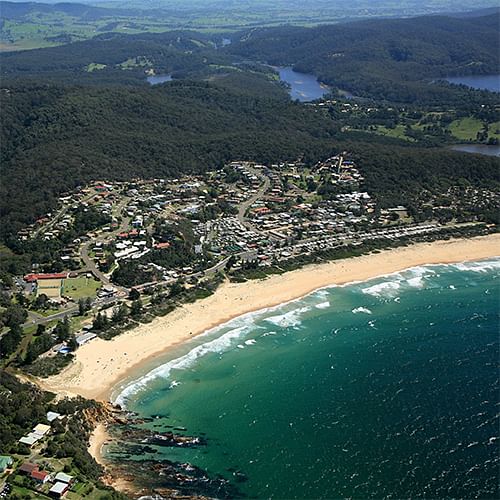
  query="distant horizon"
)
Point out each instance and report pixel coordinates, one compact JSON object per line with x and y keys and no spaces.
{"x":443,"y":5}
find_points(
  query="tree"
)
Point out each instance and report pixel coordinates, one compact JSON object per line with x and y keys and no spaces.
{"x":176,"y":289}
{"x":14,"y":315}
{"x":72,"y":343}
{"x":81,"y":307}
{"x":100,"y":322}
{"x":231,"y":262}
{"x":84,"y":305}
{"x":134,"y":294}
{"x":10,"y":341}
{"x":62,"y":330}
{"x":41,"y":302}
{"x":136,"y":308}
{"x":21,"y":299}
{"x":119,"y":313}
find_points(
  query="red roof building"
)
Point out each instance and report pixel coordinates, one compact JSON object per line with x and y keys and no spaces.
{"x":28,"y":468}
{"x":261,"y":210}
{"x":131,"y":234}
{"x":40,"y":476}
{"x":30,"y":278}
{"x":160,"y":246}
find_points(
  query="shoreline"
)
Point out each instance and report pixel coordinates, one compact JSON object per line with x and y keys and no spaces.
{"x":100,"y":365}
{"x":97,"y":440}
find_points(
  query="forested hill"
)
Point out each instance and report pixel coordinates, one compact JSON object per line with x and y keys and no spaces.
{"x":389,"y":59}
{"x":398,"y":60}
{"x":55,"y":138}
{"x":58,"y":132}
{"x":113,"y":58}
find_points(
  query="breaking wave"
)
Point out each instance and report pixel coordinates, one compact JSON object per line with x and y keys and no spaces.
{"x":363,"y":310}
{"x":291,"y":318}
{"x":481,"y":266}
{"x":218,"y":345}
{"x":410,"y":278}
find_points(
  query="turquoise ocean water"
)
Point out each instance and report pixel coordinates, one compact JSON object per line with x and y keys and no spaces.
{"x":387,"y":388}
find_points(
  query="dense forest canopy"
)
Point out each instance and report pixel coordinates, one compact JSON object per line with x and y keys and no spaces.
{"x":391,"y":59}
{"x":58,"y":131}
{"x":54,"y":138}
{"x":117,"y":58}
{"x":399,"y":60}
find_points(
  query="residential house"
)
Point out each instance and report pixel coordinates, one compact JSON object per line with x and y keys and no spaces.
{"x":27,"y":468}
{"x":59,"y":490}
{"x":64,"y":478}
{"x":52,"y":415}
{"x":5,"y":462}
{"x":41,"y":429}
{"x":40,"y":476}
{"x":28,"y":440}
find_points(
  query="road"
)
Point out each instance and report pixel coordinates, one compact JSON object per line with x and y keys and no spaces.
{"x":71,"y":311}
{"x":42,"y":320}
{"x":88,"y":262}
{"x":242,"y":209}
{"x":62,"y":212}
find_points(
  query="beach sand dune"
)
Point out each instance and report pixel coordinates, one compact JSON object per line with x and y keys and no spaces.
{"x":101,"y":364}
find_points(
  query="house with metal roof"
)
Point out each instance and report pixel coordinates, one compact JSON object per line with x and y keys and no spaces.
{"x":64,"y":478}
{"x":52,"y":415}
{"x":41,"y":429}
{"x":40,"y":476}
{"x":28,"y":440}
{"x":28,"y":468}
{"x":59,"y":490}
{"x":5,"y":462}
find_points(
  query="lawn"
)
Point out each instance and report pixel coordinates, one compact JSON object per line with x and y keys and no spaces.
{"x":81,"y":287}
{"x":466,"y":129}
{"x":136,"y":62}
{"x":47,"y":312}
{"x":494,"y":130}
{"x":94,"y":67}
{"x":398,"y":132}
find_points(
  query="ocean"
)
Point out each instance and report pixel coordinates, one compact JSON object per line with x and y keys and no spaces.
{"x":385,"y":388}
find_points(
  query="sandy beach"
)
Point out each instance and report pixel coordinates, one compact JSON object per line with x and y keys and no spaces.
{"x":100,"y":364}
{"x":97,"y":439}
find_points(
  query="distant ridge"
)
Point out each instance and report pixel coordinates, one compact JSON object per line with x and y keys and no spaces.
{"x":17,"y":10}
{"x":475,"y":13}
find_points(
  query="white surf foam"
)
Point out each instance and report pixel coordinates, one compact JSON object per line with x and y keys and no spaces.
{"x":363,"y":310}
{"x":291,"y":318}
{"x":411,"y":278}
{"x":218,"y":345}
{"x":387,"y":288}
{"x":322,"y":305}
{"x":240,"y":326}
{"x":417,"y":282}
{"x":479,"y":266}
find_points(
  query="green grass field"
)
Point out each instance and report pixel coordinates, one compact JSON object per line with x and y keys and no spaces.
{"x":397,"y":132}
{"x":466,"y":129}
{"x":94,"y":67}
{"x":494,"y":130}
{"x":81,"y":287}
